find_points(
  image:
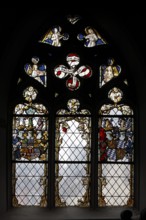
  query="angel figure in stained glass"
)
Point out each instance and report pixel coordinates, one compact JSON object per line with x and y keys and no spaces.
{"x":38,"y":72}
{"x":92,"y":38}
{"x":54,"y":36}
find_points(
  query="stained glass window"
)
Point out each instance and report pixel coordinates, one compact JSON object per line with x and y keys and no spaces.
{"x":73,"y":121}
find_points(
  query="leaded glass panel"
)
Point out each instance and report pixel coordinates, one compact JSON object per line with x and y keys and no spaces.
{"x":30,"y":138}
{"x":72,"y":184}
{"x":30,"y":184}
{"x":115,"y":184}
{"x":115,"y":152}
{"x":116,"y":139}
{"x":29,"y":146}
{"x":72,"y":156}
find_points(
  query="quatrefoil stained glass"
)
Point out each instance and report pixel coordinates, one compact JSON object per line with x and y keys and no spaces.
{"x":73,"y":82}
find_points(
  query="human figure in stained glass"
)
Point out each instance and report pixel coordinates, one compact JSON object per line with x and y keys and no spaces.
{"x":37,"y":71}
{"x":102,"y":144}
{"x":16,"y":141}
{"x":92,"y":38}
{"x":54,"y":36}
{"x":129,"y":145}
{"x":107,"y":72}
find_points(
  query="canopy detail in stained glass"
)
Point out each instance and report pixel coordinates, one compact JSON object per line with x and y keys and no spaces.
{"x":91,"y":37}
{"x":108,"y":72}
{"x":37,"y":71}
{"x":110,"y":109}
{"x":54,"y":37}
{"x":73,"y":83}
{"x":30,"y":109}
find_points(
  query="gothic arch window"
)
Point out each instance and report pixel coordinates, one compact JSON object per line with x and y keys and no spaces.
{"x":72,"y":121}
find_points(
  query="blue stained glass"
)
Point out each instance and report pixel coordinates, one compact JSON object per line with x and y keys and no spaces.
{"x":54,"y":37}
{"x":108,"y":72}
{"x":91,"y":37}
{"x":37,"y":71}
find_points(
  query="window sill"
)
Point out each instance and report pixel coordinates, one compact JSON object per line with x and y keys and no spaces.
{"x":74,"y":213}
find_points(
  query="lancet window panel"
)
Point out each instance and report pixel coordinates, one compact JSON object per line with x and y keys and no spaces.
{"x":30,"y":138}
{"x":116,"y":153}
{"x":73,"y":157}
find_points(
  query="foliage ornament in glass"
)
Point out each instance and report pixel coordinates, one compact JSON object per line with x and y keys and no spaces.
{"x":73,"y":19}
{"x":30,"y":94}
{"x":115,"y":95}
